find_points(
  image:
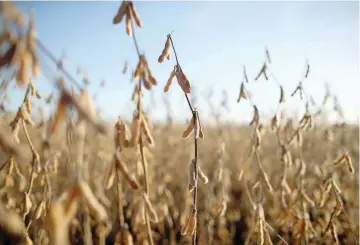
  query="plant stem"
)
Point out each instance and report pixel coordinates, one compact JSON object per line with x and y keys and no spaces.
{"x":195,"y":117}
{"x":143,"y":162}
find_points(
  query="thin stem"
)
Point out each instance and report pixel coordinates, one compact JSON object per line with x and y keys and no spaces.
{"x":189,"y":103}
{"x":195,"y":118}
{"x":143,"y":162}
{"x":196,"y":168}
{"x":60,"y":67}
{"x":178,"y":64}
{"x":173,"y":47}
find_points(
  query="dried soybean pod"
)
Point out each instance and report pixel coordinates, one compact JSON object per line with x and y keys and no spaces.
{"x":166,"y":51}
{"x":183,"y":81}
{"x":135,"y":14}
{"x":189,"y":129}
{"x":168,"y":84}
{"x":190,"y":225}
{"x":110,"y":178}
{"x":119,"y":16}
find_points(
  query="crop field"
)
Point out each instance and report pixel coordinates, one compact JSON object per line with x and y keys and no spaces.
{"x":74,"y":178}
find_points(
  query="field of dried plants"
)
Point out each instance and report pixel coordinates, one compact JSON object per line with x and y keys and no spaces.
{"x":75,"y":179}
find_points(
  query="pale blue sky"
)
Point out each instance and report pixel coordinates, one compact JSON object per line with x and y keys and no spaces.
{"x":213,"y":41}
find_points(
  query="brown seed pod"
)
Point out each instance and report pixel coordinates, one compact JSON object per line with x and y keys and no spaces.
{"x":190,"y":224}
{"x":196,"y":127}
{"x":129,"y":30}
{"x":34,"y":91}
{"x":36,"y":67}
{"x":325,"y":193}
{"x":135,"y":132}
{"x":183,"y":81}
{"x":110,"y":177}
{"x":147,"y":75}
{"x":28,"y":104}
{"x":121,"y":135}
{"x":134,"y":14}
{"x":349,"y":164}
{"x":135,"y":93}
{"x":189,"y":129}
{"x":125,"y":172}
{"x":202,"y":176}
{"x":152,"y":80}
{"x":172,"y":75}
{"x":27,"y":204}
{"x":40,"y":210}
{"x":20,"y":51}
{"x":139,"y":69}
{"x":166,"y":51}
{"x":24,"y":73}
{"x":146,"y":131}
{"x":147,"y":84}
{"x":191,"y":176}
{"x":340,"y":160}
{"x":26,"y":117}
{"x":121,"y":12}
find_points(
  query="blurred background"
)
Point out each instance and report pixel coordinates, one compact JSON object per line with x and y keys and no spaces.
{"x":214,"y":40}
